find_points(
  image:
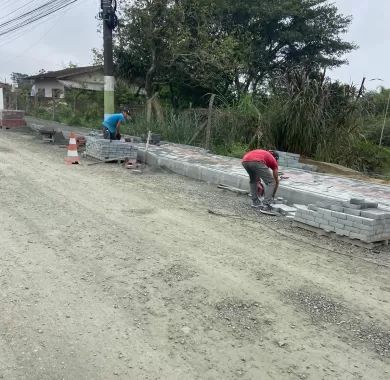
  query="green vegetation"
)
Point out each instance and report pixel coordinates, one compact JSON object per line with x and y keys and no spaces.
{"x":266,"y":63}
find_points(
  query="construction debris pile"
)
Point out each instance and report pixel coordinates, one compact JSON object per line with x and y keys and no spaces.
{"x":12,"y":119}
{"x":356,"y":219}
{"x":291,"y":160}
{"x":106,"y":150}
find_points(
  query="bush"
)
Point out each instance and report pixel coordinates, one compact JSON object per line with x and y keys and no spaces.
{"x":367,"y":157}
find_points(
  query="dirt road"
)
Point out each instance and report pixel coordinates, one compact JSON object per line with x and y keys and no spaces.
{"x":109,"y":275}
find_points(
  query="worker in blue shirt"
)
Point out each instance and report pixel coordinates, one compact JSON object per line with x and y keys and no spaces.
{"x":111,"y":126}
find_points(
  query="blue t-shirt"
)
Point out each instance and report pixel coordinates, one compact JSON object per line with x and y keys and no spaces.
{"x":111,"y":122}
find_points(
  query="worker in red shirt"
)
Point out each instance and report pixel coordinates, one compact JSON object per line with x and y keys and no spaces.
{"x":262,"y":164}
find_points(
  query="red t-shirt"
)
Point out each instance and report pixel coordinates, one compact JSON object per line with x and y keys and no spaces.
{"x":263,"y":156}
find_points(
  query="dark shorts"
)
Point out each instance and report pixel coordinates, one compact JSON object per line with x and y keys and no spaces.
{"x":110,"y":135}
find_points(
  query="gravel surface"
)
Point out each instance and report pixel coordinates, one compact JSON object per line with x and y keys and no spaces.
{"x":370,"y":333}
{"x":106,"y":274}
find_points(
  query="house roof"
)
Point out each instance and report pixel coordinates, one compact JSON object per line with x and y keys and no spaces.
{"x":65,"y":73}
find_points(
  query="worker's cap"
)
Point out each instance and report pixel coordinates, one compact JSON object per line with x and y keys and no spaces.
{"x":275,"y":154}
{"x":126,"y":110}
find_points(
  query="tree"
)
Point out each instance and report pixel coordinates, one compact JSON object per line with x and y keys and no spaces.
{"x":276,"y":35}
{"x":229,"y":47}
{"x":18,"y":78}
{"x":147,"y":34}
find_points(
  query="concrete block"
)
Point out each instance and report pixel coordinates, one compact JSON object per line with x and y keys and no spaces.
{"x":313,"y":207}
{"x":179,"y":168}
{"x":301,"y":207}
{"x":337,"y":208}
{"x":326,"y":212}
{"x":375,"y":214}
{"x":353,"y":229}
{"x":357,"y":236}
{"x":363,"y":227}
{"x":348,"y":222}
{"x":356,"y":219}
{"x":371,"y":205}
{"x":194,"y":172}
{"x":306,"y":216}
{"x":341,"y":231}
{"x":369,"y":222}
{"x":331,"y":219}
{"x":353,"y":206}
{"x":230,"y":180}
{"x":284,"y":209}
{"x":327,"y":227}
{"x":243,"y":183}
{"x":357,"y":201}
{"x":106,"y":150}
{"x":338,"y":226}
{"x":312,"y":223}
{"x":323,"y":205}
{"x":352,"y":211}
{"x":339,"y":215}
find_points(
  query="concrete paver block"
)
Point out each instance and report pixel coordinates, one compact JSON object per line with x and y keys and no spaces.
{"x":352,"y":205}
{"x":371,"y":204}
{"x":357,"y":201}
{"x":339,"y":215}
{"x":352,"y":211}
{"x":375,"y":214}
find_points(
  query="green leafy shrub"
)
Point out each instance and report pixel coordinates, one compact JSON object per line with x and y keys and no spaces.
{"x":367,"y":157}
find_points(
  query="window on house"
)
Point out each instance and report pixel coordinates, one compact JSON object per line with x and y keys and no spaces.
{"x":56,"y":93}
{"x":41,"y":92}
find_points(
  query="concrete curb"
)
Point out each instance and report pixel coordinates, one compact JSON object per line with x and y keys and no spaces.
{"x":217,"y":177}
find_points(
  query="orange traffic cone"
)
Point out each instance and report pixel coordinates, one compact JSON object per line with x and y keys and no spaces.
{"x":73,"y":155}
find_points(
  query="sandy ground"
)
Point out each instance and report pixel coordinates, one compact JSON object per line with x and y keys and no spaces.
{"x":110,"y":275}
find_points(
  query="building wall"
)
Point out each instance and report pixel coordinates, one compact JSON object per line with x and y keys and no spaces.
{"x":90,"y":81}
{"x":47,"y":86}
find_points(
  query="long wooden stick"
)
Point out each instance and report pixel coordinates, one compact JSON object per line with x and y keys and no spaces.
{"x":208,"y":130}
{"x":200,"y":129}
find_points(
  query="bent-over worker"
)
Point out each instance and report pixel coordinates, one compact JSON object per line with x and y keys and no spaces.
{"x":262,"y":164}
{"x":111,"y":126}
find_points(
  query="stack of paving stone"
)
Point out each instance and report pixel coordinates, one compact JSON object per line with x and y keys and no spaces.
{"x":356,"y":219}
{"x":12,"y":119}
{"x":291,"y":160}
{"x":104,"y":150}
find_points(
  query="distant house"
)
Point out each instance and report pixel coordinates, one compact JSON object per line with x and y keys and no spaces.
{"x":54,"y":83}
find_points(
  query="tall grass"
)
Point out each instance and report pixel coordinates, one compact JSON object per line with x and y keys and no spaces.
{"x":310,"y":115}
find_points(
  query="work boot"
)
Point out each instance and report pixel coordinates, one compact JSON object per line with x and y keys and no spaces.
{"x":257,"y":203}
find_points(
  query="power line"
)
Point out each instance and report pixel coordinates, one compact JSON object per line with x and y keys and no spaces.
{"x":12,"y":5}
{"x":35,"y":11}
{"x":17,"y":9}
{"x":46,"y":32}
{"x":22,"y":32}
{"x":34,"y":15}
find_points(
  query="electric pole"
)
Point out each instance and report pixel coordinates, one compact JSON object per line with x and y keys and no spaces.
{"x":110,"y":22}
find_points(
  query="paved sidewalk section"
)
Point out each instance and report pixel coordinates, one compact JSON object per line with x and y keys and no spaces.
{"x":300,"y":186}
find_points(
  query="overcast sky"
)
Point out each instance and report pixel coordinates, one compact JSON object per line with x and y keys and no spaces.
{"x":72,"y":33}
